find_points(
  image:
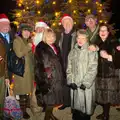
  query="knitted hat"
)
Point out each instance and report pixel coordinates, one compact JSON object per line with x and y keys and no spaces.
{"x":41,"y":23}
{"x":3,"y":18}
{"x":25,"y":26}
{"x":66,"y":16}
{"x":90,"y":16}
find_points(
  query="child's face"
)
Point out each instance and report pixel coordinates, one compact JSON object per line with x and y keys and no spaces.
{"x":81,"y":39}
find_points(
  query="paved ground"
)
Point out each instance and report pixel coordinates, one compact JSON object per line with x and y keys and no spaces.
{"x":66,"y":115}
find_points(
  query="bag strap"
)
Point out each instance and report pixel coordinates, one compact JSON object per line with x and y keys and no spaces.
{"x":7,"y":90}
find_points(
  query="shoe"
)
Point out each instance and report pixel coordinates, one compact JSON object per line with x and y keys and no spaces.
{"x":118,"y":109}
{"x":26,"y":115}
{"x":101,"y":116}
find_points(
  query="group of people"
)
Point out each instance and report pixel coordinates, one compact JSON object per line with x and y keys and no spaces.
{"x":79,"y":71}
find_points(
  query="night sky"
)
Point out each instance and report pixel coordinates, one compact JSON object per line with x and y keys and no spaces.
{"x":6,"y":6}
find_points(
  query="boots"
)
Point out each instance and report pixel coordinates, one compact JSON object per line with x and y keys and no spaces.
{"x":23,"y":105}
{"x":48,"y":113}
{"x":106,"y":110}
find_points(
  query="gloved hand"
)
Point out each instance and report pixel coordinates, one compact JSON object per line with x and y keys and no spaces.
{"x":73,"y":86}
{"x":82,"y":87}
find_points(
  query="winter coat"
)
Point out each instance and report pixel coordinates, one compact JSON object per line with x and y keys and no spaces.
{"x":3,"y":54}
{"x":48,"y":75}
{"x":24,"y":85}
{"x":92,"y":36}
{"x":107,"y":82}
{"x":82,"y":69}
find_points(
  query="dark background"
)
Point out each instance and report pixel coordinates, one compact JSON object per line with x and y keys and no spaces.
{"x":6,"y":6}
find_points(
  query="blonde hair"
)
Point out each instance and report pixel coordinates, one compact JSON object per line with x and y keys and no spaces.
{"x":47,"y":33}
{"x":82,"y":32}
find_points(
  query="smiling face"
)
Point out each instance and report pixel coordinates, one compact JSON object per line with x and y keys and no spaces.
{"x":4,"y":27}
{"x":81,"y":39}
{"x":25,"y":34}
{"x":103,"y":32}
{"x":91,"y":22}
{"x":67,"y":25}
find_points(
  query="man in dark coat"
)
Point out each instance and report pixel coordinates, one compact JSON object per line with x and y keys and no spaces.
{"x":4,"y":28}
{"x":66,"y":43}
{"x":6,"y":35}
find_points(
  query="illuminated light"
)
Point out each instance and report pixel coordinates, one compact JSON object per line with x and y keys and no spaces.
{"x":70,"y":1}
{"x":27,"y":8}
{"x":97,"y":3}
{"x":100,"y":5}
{"x":19,"y":4}
{"x":37,"y":1}
{"x":86,"y":1}
{"x":54,"y":2}
{"x":75,"y":23}
{"x":56,"y":13}
{"x":100,"y":11}
{"x":100,"y":21}
{"x":16,"y":23}
{"x":74,"y":11}
{"x":89,"y":10}
{"x":38,"y":12}
{"x":105,"y":22}
{"x":18,"y":14}
{"x":54,"y":24}
{"x":23,"y":10}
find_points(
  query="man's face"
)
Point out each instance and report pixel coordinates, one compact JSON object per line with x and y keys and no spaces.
{"x":25,"y":34}
{"x":67,"y":25}
{"x":4,"y":27}
{"x":91,"y":23}
{"x":39,"y":29}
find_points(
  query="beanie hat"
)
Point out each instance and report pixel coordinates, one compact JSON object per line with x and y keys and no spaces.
{"x":90,"y":16}
{"x":66,"y":16}
{"x":41,"y":23}
{"x":25,"y":26}
{"x":3,"y":18}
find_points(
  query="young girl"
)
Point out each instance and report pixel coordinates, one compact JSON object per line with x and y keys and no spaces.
{"x":81,"y":73}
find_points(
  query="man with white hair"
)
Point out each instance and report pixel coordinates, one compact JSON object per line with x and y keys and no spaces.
{"x":39,"y":29}
{"x":66,"y":43}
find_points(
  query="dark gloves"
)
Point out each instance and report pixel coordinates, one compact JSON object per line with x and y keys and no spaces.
{"x":82,"y":87}
{"x":73,"y":86}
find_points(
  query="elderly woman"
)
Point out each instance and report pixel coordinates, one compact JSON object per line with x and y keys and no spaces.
{"x":24,"y":85}
{"x":81,"y":73}
{"x":107,"y":81}
{"x":48,"y":74}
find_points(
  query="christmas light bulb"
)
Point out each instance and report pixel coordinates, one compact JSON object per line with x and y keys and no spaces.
{"x":74,"y":11}
{"x":54,"y":2}
{"x":37,"y":1}
{"x":38,"y":12}
{"x":70,"y":1}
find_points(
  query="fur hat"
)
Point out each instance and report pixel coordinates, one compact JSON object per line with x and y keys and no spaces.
{"x":25,"y":26}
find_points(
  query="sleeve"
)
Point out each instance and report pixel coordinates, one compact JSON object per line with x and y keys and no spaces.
{"x":40,"y":76}
{"x":69,"y":69}
{"x":17,"y":48}
{"x":92,"y":69}
{"x":6,"y":69}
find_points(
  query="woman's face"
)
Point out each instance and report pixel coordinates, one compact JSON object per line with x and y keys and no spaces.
{"x":50,"y":38}
{"x":81,"y":39}
{"x":91,"y":23}
{"x":103,"y":33}
{"x":25,"y":34}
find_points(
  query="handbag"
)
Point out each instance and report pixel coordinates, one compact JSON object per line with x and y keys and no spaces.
{"x":11,"y":107}
{"x":15,"y":64}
